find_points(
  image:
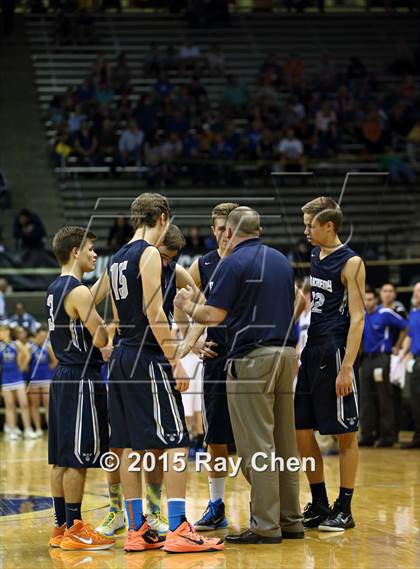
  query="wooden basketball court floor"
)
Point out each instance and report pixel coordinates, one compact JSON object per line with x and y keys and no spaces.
{"x":386,"y":510}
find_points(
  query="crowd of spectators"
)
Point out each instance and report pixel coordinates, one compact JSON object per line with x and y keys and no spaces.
{"x":285,"y":118}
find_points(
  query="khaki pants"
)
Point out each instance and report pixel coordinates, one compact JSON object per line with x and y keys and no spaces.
{"x":260,"y":398}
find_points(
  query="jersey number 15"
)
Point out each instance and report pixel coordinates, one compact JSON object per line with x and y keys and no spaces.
{"x":118,"y":280}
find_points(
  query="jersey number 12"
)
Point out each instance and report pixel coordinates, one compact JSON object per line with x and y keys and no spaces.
{"x":318,"y":300}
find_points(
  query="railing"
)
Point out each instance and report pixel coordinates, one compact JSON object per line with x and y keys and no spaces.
{"x":402,"y":272}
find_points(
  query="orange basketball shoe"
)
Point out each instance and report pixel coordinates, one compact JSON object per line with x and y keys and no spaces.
{"x":57,"y":535}
{"x":142,"y":539}
{"x":186,"y":540}
{"x":83,"y":536}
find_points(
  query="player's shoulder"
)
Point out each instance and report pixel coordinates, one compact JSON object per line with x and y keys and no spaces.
{"x":130,"y":250}
{"x":315,"y":251}
{"x":209,"y":258}
{"x":352,"y":261}
{"x":148,"y":254}
{"x":79,"y":293}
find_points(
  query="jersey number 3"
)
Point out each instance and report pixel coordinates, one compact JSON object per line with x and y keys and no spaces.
{"x":118,"y":280}
{"x":318,"y":300}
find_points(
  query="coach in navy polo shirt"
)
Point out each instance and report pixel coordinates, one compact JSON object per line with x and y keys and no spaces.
{"x":253,"y":293}
{"x":412,"y":346}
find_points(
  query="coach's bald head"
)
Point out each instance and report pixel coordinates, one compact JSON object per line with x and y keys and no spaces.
{"x":243,"y":223}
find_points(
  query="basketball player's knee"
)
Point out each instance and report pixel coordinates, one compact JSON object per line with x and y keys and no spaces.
{"x":347,"y":441}
{"x":305,"y":437}
{"x":217,"y":450}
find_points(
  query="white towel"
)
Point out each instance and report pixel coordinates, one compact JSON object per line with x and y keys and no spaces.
{"x":397,"y":373}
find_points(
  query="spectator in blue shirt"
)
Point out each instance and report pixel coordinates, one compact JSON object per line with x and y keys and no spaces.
{"x":376,"y":397}
{"x":411,"y":348}
{"x":23,"y":319}
{"x":253,"y":294}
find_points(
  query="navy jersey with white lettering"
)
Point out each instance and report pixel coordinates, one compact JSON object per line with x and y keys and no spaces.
{"x":208,"y":265}
{"x":330,"y":318}
{"x":71,"y":341}
{"x":127,"y":292}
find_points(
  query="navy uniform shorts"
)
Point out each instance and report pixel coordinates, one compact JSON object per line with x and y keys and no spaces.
{"x":146,"y":410}
{"x":317,"y":406}
{"x":78,"y":431}
{"x":216,"y":418}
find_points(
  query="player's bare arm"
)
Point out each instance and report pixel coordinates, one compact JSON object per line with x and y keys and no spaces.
{"x":192,"y":333}
{"x":194,"y":271}
{"x":107,"y":350}
{"x":53,"y":360}
{"x":194,"y":341}
{"x":150,"y":267}
{"x":100,"y":289}
{"x":184,"y":279}
{"x":201,"y":313}
{"x":79,"y":303}
{"x":353,"y":277}
{"x":300,"y":303}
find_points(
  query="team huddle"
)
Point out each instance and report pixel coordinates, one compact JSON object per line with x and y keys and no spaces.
{"x":118,"y":386}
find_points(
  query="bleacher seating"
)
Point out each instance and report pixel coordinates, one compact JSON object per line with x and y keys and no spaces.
{"x":371,"y":207}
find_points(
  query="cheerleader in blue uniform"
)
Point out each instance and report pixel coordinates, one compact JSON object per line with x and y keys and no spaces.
{"x":14,"y":359}
{"x":43,"y":361}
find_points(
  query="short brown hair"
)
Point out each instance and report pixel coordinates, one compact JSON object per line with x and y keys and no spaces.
{"x":174,"y":239}
{"x":147,"y":208}
{"x":371,"y":290}
{"x":222,"y":210}
{"x":325,"y":209}
{"x":67,"y":238}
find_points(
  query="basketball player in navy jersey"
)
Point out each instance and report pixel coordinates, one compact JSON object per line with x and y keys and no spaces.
{"x":78,"y":421}
{"x":326,"y":398}
{"x":174,"y":277}
{"x":217,"y":425}
{"x":146,"y":379}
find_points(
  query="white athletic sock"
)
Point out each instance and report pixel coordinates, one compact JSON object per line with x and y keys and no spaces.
{"x":217,"y":488}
